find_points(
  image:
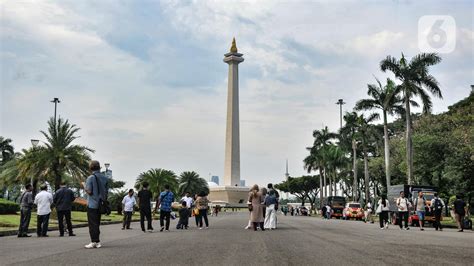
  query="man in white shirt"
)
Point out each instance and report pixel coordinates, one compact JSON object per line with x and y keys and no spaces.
{"x":128,"y":203}
{"x":43,"y":201}
{"x":188,"y":200}
{"x":403,"y":207}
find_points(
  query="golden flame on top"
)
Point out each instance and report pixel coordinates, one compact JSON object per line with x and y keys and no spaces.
{"x":233,"y":48}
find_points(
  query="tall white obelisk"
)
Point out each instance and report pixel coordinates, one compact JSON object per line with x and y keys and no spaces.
{"x":232,"y":139}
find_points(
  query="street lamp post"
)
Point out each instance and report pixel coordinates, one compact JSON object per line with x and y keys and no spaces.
{"x":55,"y":101}
{"x":35,"y":143}
{"x":340,"y":102}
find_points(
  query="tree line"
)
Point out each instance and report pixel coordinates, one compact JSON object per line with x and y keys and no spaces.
{"x":59,"y":158}
{"x":362,"y":159}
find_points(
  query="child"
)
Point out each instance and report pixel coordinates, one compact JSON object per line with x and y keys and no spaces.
{"x":184,"y":214}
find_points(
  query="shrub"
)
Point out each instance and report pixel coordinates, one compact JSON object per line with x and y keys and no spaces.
{"x":8,"y":207}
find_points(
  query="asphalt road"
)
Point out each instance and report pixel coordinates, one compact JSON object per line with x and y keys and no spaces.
{"x":297,"y":241}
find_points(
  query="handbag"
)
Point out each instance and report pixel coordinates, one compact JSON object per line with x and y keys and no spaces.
{"x":379,"y":209}
{"x":104,"y":205}
{"x":196,"y":211}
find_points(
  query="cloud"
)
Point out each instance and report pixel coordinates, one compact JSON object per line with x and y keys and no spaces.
{"x":146,"y":83}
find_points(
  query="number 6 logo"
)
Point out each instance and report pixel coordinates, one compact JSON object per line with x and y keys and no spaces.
{"x":437,"y":34}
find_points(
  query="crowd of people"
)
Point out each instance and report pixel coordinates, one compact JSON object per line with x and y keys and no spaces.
{"x":96,"y":188}
{"x":263,"y":204}
{"x":419,"y":206}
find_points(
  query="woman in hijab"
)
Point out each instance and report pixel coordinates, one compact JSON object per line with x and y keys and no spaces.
{"x":256,"y":208}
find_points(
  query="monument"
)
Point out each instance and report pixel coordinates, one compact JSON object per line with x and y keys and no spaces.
{"x":231,"y":192}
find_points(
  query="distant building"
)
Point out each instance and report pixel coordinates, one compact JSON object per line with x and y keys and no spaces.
{"x":215,"y":179}
{"x":242,"y":183}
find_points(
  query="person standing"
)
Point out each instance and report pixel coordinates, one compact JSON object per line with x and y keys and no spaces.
{"x":256,"y":208}
{"x":459,"y":211}
{"x":63,"y":199}
{"x":437,"y":206}
{"x":403,"y":205}
{"x":144,"y":200}
{"x":382,"y":209}
{"x":26,"y":204}
{"x":43,"y":201}
{"x":328,"y":212}
{"x":165,"y":200}
{"x":128,"y":203}
{"x":202,"y":204}
{"x":184,"y":213}
{"x":368,"y":213}
{"x":188,"y":199}
{"x":96,"y":187}
{"x":270,"y":217}
{"x":420,"y":205}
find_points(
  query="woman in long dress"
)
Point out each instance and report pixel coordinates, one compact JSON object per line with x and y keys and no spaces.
{"x":256,"y":208}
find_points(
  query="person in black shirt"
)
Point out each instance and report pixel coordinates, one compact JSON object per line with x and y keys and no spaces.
{"x":63,"y":199}
{"x":144,"y":199}
{"x":184,"y":214}
{"x":459,"y":211}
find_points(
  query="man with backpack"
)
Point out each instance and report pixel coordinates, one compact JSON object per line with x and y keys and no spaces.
{"x":403,"y":205}
{"x":437,"y":206}
{"x":96,"y":189}
{"x":420,"y":206}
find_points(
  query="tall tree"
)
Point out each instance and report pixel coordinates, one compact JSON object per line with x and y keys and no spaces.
{"x":157,"y":178}
{"x":385,"y":99}
{"x":350,"y":130}
{"x":58,"y":157}
{"x":363,"y":134}
{"x":190,"y":181}
{"x":415,"y":78}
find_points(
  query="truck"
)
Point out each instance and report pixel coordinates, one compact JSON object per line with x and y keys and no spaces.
{"x":411,"y":193}
{"x":337,"y":204}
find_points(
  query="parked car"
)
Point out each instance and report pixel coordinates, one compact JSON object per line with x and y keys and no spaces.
{"x":353,"y":210}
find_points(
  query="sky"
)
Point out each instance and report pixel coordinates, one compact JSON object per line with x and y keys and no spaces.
{"x":145,"y":80}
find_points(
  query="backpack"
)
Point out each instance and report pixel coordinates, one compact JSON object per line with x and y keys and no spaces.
{"x":437,"y":205}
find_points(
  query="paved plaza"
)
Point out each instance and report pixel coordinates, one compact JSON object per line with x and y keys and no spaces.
{"x":298,"y":241}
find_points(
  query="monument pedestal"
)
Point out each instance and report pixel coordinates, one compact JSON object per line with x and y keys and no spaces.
{"x":229,"y":195}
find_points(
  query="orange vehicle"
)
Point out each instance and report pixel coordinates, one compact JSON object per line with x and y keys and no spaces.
{"x":353,"y":210}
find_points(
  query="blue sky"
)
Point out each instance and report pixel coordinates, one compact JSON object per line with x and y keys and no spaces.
{"x":145,"y":81}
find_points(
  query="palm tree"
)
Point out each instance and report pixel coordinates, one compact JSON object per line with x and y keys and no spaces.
{"x":335,"y":159}
{"x":115,"y":199}
{"x":385,"y":99}
{"x":190,"y":181}
{"x":315,"y":159}
{"x":57,"y":158}
{"x":60,"y":156}
{"x":157,"y":178}
{"x":350,"y":129}
{"x":415,"y":77}
{"x":6,"y":150}
{"x":364,"y":134}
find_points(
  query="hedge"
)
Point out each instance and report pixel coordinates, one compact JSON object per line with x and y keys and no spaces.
{"x":8,"y":207}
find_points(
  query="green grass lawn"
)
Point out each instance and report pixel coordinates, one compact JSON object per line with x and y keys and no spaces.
{"x":12,"y":221}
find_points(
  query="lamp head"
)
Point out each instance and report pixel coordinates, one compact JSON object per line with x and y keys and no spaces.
{"x":34,"y":142}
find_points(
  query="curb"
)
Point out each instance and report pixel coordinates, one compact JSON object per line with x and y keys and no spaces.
{"x":15,"y":232}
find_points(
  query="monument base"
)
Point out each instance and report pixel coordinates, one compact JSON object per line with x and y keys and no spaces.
{"x":229,"y":196}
